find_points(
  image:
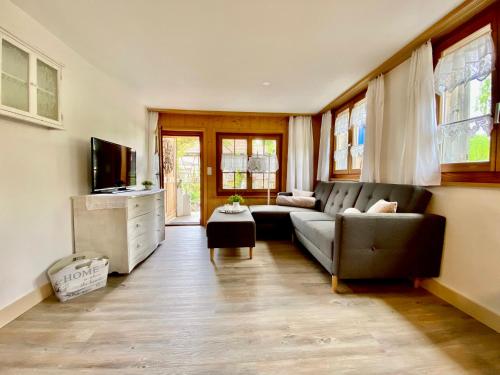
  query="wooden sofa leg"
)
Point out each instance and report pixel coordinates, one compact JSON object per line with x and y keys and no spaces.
{"x":212,"y":250}
{"x":417,"y":282}
{"x":335,"y":283}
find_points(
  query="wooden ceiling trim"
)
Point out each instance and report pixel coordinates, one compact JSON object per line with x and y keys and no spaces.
{"x":225,"y":113}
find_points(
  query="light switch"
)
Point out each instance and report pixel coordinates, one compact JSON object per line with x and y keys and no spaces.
{"x":209,"y":171}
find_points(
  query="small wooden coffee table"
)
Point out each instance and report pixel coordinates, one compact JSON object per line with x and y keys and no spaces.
{"x":231,"y":230}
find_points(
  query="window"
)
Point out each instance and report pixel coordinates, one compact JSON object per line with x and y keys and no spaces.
{"x":465,"y":99}
{"x":467,"y":88}
{"x":358,"y":125}
{"x":29,"y":84}
{"x":233,"y":151}
{"x":349,"y":138}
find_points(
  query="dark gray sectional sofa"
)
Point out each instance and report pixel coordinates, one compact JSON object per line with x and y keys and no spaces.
{"x":406,"y":244}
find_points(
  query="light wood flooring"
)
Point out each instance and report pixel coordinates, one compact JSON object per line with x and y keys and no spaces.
{"x":177,"y":313}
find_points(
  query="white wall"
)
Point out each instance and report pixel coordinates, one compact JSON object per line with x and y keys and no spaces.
{"x":471,"y":257}
{"x":41,"y":169}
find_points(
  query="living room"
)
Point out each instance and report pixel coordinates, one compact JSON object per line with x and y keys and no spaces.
{"x":301,"y":111}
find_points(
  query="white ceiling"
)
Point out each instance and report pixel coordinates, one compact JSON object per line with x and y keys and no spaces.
{"x":215,"y":54}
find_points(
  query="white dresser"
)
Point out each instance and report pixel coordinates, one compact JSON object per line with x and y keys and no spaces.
{"x":127,"y":227}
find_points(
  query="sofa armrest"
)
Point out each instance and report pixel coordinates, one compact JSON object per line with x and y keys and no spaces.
{"x":388,"y":245}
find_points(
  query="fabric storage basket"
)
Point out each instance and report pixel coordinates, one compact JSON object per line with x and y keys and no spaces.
{"x":78,"y":274}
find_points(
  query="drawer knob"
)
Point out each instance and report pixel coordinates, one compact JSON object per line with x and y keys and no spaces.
{"x":138,"y":245}
{"x":137,"y":225}
{"x":137,"y":204}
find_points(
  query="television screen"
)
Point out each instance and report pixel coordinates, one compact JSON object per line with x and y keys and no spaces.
{"x":113,"y":165}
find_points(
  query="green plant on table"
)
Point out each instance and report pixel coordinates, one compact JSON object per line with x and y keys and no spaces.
{"x":147,"y":183}
{"x":236,"y":199}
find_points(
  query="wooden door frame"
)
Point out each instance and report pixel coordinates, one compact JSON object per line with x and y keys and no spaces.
{"x":187,"y":133}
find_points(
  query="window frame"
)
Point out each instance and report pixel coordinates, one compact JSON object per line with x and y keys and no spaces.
{"x":481,"y":172}
{"x":349,"y":173}
{"x":32,"y":115}
{"x":249,"y":137}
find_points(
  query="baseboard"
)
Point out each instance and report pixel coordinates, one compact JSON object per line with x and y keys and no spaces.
{"x":478,"y":312}
{"x":23,"y":304}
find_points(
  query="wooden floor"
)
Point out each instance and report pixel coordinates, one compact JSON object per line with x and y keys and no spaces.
{"x":180,"y":314}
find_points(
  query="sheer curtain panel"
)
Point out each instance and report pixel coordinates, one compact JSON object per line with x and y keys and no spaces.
{"x":420,"y":163}
{"x":324,"y":147}
{"x":153,"y":158}
{"x":300,"y":154}
{"x":371,"y":168}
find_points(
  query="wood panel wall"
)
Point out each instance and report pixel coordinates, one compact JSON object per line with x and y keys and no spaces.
{"x":212,"y":124}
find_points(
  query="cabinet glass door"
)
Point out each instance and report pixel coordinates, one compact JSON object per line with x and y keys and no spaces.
{"x":15,"y":77}
{"x":46,"y":92}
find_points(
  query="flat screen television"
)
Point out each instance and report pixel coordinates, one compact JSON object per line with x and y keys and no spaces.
{"x":113,"y":166}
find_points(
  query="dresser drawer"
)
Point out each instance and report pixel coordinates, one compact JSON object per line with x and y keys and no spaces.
{"x":141,"y":244}
{"x":139,"y":206}
{"x":140,"y":224}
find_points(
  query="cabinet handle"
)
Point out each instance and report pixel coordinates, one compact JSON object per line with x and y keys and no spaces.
{"x":138,"y":245}
{"x":137,"y":225}
{"x":137,"y":204}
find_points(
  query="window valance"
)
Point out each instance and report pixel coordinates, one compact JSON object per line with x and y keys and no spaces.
{"x":340,"y":154}
{"x":358,"y":114}
{"x":233,"y":163}
{"x":474,"y":60}
{"x":455,"y":138}
{"x":341,"y":123}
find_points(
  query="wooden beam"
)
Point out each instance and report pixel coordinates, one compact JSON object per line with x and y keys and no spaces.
{"x":456,"y":17}
{"x":224,"y":113}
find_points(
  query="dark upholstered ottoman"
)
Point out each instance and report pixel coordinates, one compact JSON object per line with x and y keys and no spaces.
{"x":230,"y":230}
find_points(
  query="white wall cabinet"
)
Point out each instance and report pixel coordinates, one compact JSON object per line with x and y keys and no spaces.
{"x":127,"y":227}
{"x":30,"y":84}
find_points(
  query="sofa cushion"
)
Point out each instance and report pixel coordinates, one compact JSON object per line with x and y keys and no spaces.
{"x":411,"y":199}
{"x":296,"y":201}
{"x":319,"y":232}
{"x":343,"y":195}
{"x":267,"y":211}
{"x":321,"y":193}
{"x":311,"y":216}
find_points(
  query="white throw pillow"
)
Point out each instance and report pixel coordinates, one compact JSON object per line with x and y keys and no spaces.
{"x":383,"y":207}
{"x":302,"y":193}
{"x":352,"y":210}
{"x":305,"y":202}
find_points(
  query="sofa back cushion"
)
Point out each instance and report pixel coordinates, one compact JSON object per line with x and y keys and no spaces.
{"x":411,"y":199}
{"x":321,"y":193}
{"x":342,"y":196}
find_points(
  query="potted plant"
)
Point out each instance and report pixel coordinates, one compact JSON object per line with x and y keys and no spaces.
{"x":147,"y":184}
{"x":236,"y":200}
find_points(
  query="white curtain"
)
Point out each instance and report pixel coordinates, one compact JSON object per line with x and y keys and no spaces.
{"x":152,"y":172}
{"x":419,"y":163}
{"x":300,"y":154}
{"x":474,"y":60}
{"x":371,"y":168}
{"x":324,"y":147}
